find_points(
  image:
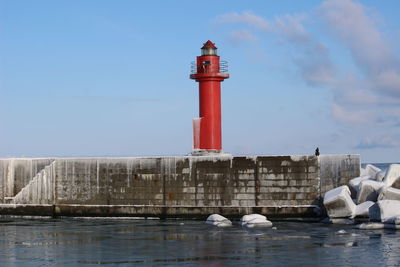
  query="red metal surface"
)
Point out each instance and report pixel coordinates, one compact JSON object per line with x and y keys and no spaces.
{"x":209,"y":78}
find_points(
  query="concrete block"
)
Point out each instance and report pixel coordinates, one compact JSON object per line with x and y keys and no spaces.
{"x":384,"y":209}
{"x":362,"y":210}
{"x":369,"y":170}
{"x":392,"y":174}
{"x":338,"y":203}
{"x":389,"y":193}
{"x":369,"y":191}
{"x":379,"y":176}
{"x":354,"y":184}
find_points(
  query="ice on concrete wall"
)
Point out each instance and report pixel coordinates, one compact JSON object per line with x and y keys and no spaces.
{"x":16,"y":173}
{"x":40,"y":190}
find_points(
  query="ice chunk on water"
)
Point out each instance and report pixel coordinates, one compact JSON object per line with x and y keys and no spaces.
{"x":338,"y":203}
{"x":255,"y":220}
{"x":375,"y":226}
{"x":218,"y":220}
{"x":393,"y":220}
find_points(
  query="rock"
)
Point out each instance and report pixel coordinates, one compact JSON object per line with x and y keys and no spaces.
{"x":384,"y":209}
{"x":392,"y":174}
{"x":338,"y":203}
{"x":362,"y":210}
{"x":218,"y":220}
{"x":369,"y":170}
{"x":255,"y":220}
{"x":368,"y":191}
{"x":389,"y":193}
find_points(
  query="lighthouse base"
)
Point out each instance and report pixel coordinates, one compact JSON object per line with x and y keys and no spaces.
{"x":208,"y":152}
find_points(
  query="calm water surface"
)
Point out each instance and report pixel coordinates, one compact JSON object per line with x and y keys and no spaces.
{"x":88,"y":242}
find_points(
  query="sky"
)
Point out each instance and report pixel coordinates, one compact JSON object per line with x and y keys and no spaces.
{"x":111,"y":78}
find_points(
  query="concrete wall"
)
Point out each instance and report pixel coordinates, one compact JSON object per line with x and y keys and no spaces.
{"x":16,"y":173}
{"x":335,"y":170}
{"x":180,"y":186}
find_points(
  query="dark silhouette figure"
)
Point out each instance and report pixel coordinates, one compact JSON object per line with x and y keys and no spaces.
{"x":317,"y":152}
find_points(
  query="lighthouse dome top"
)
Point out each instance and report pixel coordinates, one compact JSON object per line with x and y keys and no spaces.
{"x":209,"y":49}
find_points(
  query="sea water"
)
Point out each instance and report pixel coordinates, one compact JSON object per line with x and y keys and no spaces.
{"x":129,"y":242}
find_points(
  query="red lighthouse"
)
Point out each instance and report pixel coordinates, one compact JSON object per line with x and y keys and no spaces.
{"x":209,"y":73}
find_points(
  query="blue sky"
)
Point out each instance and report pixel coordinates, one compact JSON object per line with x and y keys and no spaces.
{"x":111,"y":78}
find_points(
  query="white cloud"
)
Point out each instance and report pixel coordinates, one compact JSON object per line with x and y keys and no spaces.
{"x":292,"y":28}
{"x":313,"y":62}
{"x":379,"y":142}
{"x":370,"y":93}
{"x":340,"y":113}
{"x":242,"y":35}
{"x":373,"y":55}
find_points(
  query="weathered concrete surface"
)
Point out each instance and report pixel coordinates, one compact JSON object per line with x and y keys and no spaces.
{"x":172,"y":186}
{"x":337,"y":170}
{"x":16,"y":173}
{"x":389,"y":193}
{"x":369,"y":191}
{"x":384,"y":210}
{"x":338,"y":203}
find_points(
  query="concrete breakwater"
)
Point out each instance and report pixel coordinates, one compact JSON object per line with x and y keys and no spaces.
{"x":186,"y":186}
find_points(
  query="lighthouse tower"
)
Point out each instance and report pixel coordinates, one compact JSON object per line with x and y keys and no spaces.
{"x":209,"y":72}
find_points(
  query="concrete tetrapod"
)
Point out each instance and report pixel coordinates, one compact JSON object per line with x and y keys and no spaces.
{"x":338,"y":203}
{"x":255,"y":220}
{"x":218,"y":220}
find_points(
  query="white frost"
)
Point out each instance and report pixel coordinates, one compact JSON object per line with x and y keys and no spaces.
{"x":255,"y":220}
{"x":218,"y":220}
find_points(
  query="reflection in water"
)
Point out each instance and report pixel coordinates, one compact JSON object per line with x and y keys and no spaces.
{"x":129,"y":242}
